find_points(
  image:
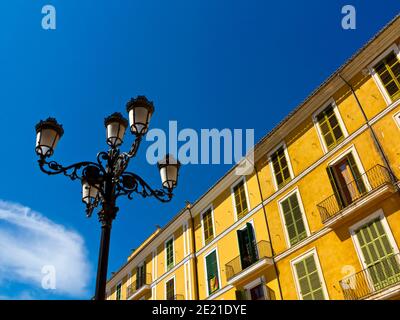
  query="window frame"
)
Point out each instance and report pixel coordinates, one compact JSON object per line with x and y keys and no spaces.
{"x":211,"y":208}
{"x":255,"y":283}
{"x":270,"y":154}
{"x":330,"y":102}
{"x":312,"y":251}
{"x":173,"y":253}
{"x":357,"y":159}
{"x":395,"y":49}
{"x":396,"y":118}
{"x":282,"y":216}
{"x":378,"y":214}
{"x":215,"y":249}
{"x":242,"y":179}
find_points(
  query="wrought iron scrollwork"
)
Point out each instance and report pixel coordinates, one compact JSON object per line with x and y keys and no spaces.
{"x":109,"y":166}
{"x":74,"y":171}
{"x":130,"y":183}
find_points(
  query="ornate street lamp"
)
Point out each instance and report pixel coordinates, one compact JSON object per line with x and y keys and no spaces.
{"x":106,"y":179}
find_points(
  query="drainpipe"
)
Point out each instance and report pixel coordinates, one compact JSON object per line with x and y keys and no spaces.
{"x":268,"y":230}
{"x":374,"y":137}
{"x":196,"y":274}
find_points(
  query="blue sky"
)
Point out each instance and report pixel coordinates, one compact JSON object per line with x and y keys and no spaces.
{"x":206,"y":64}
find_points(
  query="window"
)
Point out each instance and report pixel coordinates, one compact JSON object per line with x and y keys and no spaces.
{"x":118,"y":291}
{"x":280,"y":166}
{"x":388,"y":71}
{"x":208,"y":228}
{"x":378,"y":254}
{"x":239,"y":193}
{"x":308,"y":279}
{"x":212,"y":272}
{"x":140,"y":276}
{"x":329,"y":127}
{"x":247,"y":246}
{"x":169,"y":247}
{"x":346,"y":180}
{"x":170,"y":289}
{"x":293,"y":216}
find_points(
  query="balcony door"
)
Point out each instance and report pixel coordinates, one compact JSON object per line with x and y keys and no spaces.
{"x":346,"y":180}
{"x":378,"y":254}
{"x":247,"y":246}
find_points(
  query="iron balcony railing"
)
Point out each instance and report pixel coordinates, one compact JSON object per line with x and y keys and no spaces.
{"x":240,"y":263}
{"x":380,"y":276}
{"x":371,"y":180}
{"x":138,"y":284}
{"x":176,"y":297}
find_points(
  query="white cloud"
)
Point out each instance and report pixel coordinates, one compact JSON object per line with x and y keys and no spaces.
{"x":29,"y":241}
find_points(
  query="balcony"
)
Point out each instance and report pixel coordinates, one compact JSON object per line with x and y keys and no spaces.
{"x":176,"y":297}
{"x":239,"y":268}
{"x":138,"y":288}
{"x":373,"y":185}
{"x":379,"y":281}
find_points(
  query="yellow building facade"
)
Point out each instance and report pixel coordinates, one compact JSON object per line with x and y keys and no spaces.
{"x":319,"y":216}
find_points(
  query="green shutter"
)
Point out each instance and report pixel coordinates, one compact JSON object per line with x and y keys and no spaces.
{"x":118,"y":292}
{"x":170,"y":254}
{"x":212,"y":272}
{"x":330,"y":128}
{"x":251,"y":244}
{"x":293,"y":219}
{"x":389,"y":73}
{"x":309,"y":280}
{"x":377,"y":253}
{"x":281,"y":167}
{"x":240,"y":295}
{"x":242,"y":245}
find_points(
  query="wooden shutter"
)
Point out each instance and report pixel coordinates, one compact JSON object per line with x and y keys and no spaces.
{"x":308,"y":278}
{"x":377,"y":252}
{"x":251,"y":244}
{"x":240,"y":295}
{"x":242,"y":243}
{"x":170,"y":254}
{"x":212,"y":272}
{"x":293,"y":219}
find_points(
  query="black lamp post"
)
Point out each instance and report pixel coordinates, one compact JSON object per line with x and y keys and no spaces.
{"x":106,"y":179}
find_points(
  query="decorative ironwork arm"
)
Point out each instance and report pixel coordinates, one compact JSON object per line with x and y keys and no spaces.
{"x":74,"y":171}
{"x":130,"y":183}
